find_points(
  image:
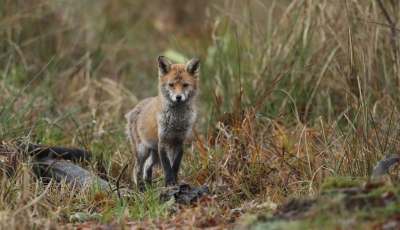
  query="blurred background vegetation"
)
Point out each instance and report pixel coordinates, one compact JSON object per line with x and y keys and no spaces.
{"x":291,"y":91}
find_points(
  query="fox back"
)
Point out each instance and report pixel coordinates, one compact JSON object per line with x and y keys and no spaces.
{"x":158,"y":126}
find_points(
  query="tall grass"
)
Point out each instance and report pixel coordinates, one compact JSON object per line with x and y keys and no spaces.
{"x":292,"y":92}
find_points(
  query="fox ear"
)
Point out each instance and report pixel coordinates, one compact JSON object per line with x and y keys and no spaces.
{"x":193,"y":67}
{"x":164,"y":66}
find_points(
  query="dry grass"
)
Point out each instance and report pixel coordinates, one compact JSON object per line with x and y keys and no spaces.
{"x":292,"y":92}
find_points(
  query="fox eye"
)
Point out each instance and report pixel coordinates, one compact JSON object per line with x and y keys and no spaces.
{"x":171,"y":84}
{"x":185,"y":85}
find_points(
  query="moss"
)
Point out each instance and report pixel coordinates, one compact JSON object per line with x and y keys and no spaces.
{"x":390,"y":209}
{"x":84,"y":217}
{"x":252,"y":222}
{"x":338,"y":182}
{"x":322,"y":221}
{"x":379,"y":191}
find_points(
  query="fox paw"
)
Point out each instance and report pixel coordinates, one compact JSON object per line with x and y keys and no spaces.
{"x":171,"y":183}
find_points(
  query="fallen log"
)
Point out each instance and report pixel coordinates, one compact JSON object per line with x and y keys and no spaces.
{"x":45,"y":167}
{"x":66,"y":153}
{"x":383,"y":166}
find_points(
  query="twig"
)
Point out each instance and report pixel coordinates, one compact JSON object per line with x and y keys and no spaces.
{"x":383,"y":24}
{"x":387,"y":16}
{"x":119,"y":178}
{"x":393,"y":40}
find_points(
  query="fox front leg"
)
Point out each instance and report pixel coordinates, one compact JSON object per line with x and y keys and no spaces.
{"x":169,"y":179}
{"x":178,"y":153}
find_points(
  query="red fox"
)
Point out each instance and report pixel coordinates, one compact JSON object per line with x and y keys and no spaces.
{"x":158,"y":126}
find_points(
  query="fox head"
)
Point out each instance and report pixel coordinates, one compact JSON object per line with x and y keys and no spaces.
{"x":178,"y":83}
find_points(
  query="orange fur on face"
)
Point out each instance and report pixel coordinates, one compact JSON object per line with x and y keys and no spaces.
{"x":178,"y":82}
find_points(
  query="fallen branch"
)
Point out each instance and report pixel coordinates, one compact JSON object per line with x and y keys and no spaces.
{"x":45,"y":167}
{"x":66,"y":153}
{"x":383,"y":166}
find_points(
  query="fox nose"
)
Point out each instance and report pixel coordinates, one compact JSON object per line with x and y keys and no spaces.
{"x":178,"y":97}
